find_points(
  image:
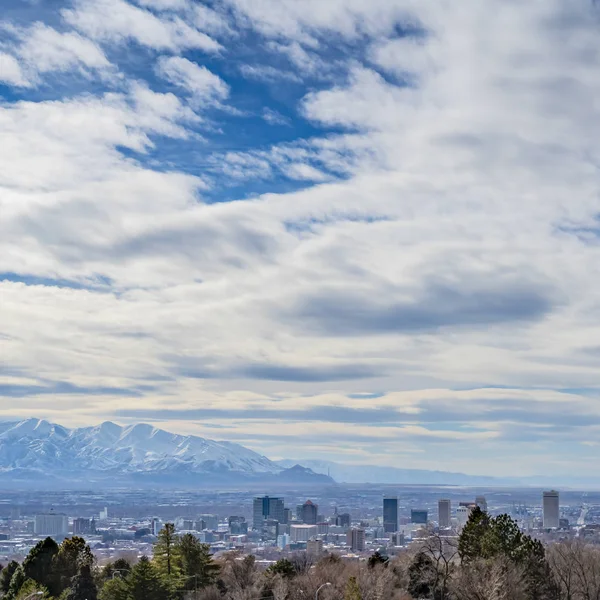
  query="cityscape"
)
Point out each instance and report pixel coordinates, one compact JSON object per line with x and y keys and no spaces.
{"x":352,"y":522}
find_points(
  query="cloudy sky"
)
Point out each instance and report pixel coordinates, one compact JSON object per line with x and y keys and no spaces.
{"x":360,"y":230}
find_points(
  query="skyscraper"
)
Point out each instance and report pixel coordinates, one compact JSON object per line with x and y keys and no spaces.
{"x":551,"y":510}
{"x":418,"y":516}
{"x":390,"y":514}
{"x":355,"y":538}
{"x":444,"y":512}
{"x":482,"y":503}
{"x":309,"y":513}
{"x":265,"y":507}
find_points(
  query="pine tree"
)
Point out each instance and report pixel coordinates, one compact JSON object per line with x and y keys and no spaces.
{"x":73,"y":554}
{"x":83,"y":586}
{"x":165,"y":550}
{"x":16,"y":583}
{"x":282,"y":567}
{"x":145,"y":582}
{"x":6,"y":575}
{"x":114,"y":589}
{"x":193,"y":563}
{"x":471,"y":540}
{"x":422,"y":576}
{"x":40,"y":565}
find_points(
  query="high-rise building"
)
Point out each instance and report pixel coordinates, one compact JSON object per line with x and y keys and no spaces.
{"x":302,"y":533}
{"x":355,"y":538}
{"x":390,"y":514}
{"x":482,"y":503}
{"x":551,"y":510}
{"x":343,"y":520}
{"x":155,"y":525}
{"x":463,"y":513}
{"x":314,"y":547}
{"x":310,"y":512}
{"x":444,"y":512}
{"x":81,"y":526}
{"x":265,"y":507}
{"x":287,"y":515}
{"x":418,"y":516}
{"x":51,"y":524}
{"x":210,"y":521}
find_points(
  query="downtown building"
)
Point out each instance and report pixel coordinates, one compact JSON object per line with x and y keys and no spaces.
{"x":444,"y":513}
{"x":267,"y":508}
{"x":551,"y":510}
{"x":390,"y":514}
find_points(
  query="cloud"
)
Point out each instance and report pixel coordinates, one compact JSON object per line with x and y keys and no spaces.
{"x":202,"y":85}
{"x":11,"y":72}
{"x":272,"y":117}
{"x":118,"y":21}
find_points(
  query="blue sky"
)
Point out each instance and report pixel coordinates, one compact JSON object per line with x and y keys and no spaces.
{"x":367,"y":229}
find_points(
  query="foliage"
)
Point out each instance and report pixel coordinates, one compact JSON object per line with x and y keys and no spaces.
{"x":6,"y":575}
{"x":119,"y":568}
{"x":470,"y":542}
{"x":73,"y":554}
{"x":145,"y":582}
{"x":422,"y":576}
{"x":40,"y":565}
{"x":115,"y":588}
{"x":83,"y":586}
{"x":377,"y":559}
{"x":193,"y":563}
{"x":165,"y":550}
{"x":282,"y":567}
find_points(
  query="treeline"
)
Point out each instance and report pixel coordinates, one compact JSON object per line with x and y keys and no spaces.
{"x":490,"y":560}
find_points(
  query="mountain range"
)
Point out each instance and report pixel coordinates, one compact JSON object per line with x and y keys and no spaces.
{"x":38,"y":453}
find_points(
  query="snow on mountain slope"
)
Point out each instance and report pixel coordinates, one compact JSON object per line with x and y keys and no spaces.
{"x":42,"y":446}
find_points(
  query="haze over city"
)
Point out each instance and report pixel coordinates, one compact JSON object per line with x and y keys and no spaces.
{"x":345,"y":230}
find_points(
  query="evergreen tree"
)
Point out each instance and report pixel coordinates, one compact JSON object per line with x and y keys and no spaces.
{"x":16,"y":583}
{"x":6,"y":575}
{"x":165,"y":550}
{"x":120,"y":568}
{"x":193,"y":563}
{"x":422,"y":576}
{"x":73,"y":554}
{"x":377,"y":559}
{"x":39,"y":565}
{"x":282,"y":567}
{"x":471,"y":540}
{"x":114,"y":589}
{"x":83,"y":586}
{"x":145,"y":582}
{"x":352,"y":590}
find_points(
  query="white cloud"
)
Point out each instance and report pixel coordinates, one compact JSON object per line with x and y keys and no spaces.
{"x":203,"y":85}
{"x":117,"y":20}
{"x":273,"y":117}
{"x":11,"y":71}
{"x":460,"y":251}
{"x":44,"y":49}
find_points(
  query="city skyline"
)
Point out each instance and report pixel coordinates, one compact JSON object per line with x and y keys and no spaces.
{"x":364,"y":229}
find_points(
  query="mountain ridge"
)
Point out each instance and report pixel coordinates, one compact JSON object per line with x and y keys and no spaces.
{"x":140,"y":454}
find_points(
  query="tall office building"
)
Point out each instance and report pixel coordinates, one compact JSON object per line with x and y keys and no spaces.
{"x":551,"y":510}
{"x":482,"y":503}
{"x":81,"y":526}
{"x":51,"y":524}
{"x":418,"y":516}
{"x":390,"y":514}
{"x":302,"y":533}
{"x":210,"y":521}
{"x":463,"y":513}
{"x":355,"y":538}
{"x":343,"y":520}
{"x":267,"y":508}
{"x":444,"y":512}
{"x":309,"y":514}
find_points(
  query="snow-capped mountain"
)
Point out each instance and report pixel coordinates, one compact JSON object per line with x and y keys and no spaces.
{"x":36,"y":450}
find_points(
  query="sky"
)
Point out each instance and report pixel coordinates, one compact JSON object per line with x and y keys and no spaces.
{"x":358,"y":230}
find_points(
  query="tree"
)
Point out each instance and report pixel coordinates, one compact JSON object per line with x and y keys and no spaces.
{"x":352,"y":591}
{"x":145,"y":582}
{"x":377,"y":559}
{"x":422,"y":576}
{"x":39,"y":565}
{"x":193,"y":562}
{"x":165,"y":550}
{"x":120,"y":568}
{"x":115,"y":589}
{"x":470,"y":542}
{"x":16,"y":583}
{"x":282,"y":567}
{"x":83,"y":586}
{"x":73,"y":554}
{"x":6,"y":575}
